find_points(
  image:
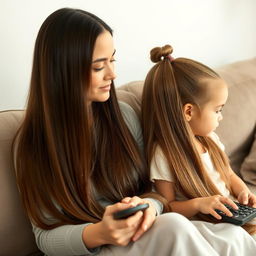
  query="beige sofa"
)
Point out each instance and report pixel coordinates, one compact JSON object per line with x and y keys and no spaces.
{"x":237,"y":132}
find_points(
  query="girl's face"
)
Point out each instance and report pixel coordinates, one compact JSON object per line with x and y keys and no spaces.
{"x":102,"y":72}
{"x":206,"y":119}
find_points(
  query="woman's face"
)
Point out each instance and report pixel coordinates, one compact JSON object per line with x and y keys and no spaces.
{"x":102,"y":69}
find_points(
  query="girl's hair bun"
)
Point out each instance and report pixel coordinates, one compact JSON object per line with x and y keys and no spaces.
{"x":158,"y":53}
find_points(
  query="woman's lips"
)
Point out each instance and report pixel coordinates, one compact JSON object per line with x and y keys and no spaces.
{"x":105,"y":88}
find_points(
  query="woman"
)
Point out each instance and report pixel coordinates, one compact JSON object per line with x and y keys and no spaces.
{"x":79,"y":154}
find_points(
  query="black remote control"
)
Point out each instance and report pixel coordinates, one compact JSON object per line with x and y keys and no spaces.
{"x":244,"y":214}
{"x":130,"y":211}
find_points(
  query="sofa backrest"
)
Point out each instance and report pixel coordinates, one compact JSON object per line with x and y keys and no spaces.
{"x":236,"y":131}
{"x":16,"y":237}
{"x":237,"y":128}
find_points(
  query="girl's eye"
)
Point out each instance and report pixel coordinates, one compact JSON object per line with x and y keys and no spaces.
{"x":219,"y":111}
{"x":112,"y":60}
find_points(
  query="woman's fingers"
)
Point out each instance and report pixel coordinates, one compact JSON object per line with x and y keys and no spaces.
{"x":136,"y":224}
{"x":128,"y":227}
{"x":120,"y":232}
{"x":131,"y":222}
{"x":126,"y":200}
{"x":111,"y":209}
{"x":148,"y":220}
{"x":135,"y":200}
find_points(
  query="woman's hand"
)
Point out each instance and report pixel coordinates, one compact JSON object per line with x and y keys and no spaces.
{"x":149,"y":215}
{"x":208,"y":205}
{"x":247,"y":197}
{"x":119,"y":232}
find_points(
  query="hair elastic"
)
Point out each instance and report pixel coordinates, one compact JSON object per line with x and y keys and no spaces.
{"x":169,"y":57}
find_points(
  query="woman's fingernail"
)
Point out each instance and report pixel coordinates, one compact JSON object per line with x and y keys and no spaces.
{"x":145,"y":227}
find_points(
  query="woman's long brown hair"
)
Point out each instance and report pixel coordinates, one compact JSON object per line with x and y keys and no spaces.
{"x":169,"y":85}
{"x":64,"y":149}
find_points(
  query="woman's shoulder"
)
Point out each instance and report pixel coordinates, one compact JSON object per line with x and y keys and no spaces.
{"x":126,"y":109}
{"x":132,"y":121}
{"x":130,"y":117}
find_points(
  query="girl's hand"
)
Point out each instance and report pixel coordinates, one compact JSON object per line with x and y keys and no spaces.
{"x":246,"y":197}
{"x":208,"y":205}
{"x":149,"y":215}
{"x":119,"y":232}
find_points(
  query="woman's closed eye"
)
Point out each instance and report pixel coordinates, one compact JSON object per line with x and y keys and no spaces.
{"x":96,"y":69}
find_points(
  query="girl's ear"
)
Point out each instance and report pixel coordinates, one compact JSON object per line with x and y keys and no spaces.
{"x":187,"y":111}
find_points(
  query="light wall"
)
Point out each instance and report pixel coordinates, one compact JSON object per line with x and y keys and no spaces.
{"x":215,"y":32}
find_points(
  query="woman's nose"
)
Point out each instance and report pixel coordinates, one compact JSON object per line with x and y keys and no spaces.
{"x":110,"y":75}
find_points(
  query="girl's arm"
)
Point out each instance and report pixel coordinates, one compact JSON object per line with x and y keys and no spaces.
{"x":191,"y":207}
{"x":166,"y":189}
{"x":240,"y":190}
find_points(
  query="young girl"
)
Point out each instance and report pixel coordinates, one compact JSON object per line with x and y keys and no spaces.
{"x":181,"y":108}
{"x":78,"y":155}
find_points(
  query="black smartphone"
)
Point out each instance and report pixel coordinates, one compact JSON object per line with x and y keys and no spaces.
{"x":130,"y":211}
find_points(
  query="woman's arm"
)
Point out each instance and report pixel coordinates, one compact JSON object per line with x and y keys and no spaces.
{"x":64,"y":240}
{"x":86,"y":239}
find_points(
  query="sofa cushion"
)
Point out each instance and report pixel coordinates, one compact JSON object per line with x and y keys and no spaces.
{"x":16,"y":233}
{"x":236,"y":130}
{"x":248,"y":168}
{"x":131,"y":94}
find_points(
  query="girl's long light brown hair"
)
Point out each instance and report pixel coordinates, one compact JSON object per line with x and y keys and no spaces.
{"x":169,"y":85}
{"x":64,"y":149}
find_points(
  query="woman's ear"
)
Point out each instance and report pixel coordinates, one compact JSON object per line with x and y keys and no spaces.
{"x":187,"y":111}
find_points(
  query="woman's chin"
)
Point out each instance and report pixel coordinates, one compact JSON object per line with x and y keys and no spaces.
{"x":104,"y":97}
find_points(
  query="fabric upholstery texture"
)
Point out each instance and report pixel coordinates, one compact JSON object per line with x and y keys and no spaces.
{"x":236,"y":131}
{"x":237,"y":128}
{"x":248,"y":168}
{"x":16,"y":237}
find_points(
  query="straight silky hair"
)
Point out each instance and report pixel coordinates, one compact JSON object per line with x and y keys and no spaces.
{"x":64,"y":149}
{"x":169,"y":85}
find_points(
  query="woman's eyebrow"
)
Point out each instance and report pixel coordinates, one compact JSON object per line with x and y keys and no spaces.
{"x":103,"y":59}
